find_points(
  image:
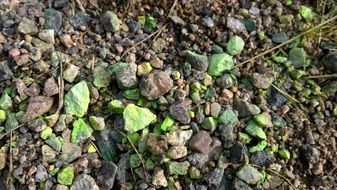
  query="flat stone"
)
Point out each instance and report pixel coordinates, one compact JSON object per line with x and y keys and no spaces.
{"x":249,"y":175}
{"x":201,"y":142}
{"x":27,"y":26}
{"x":84,"y":182}
{"x":41,"y":174}
{"x":236,"y":25}
{"x":179,"y":137}
{"x":47,"y":35}
{"x":70,"y":72}
{"x":5,"y":72}
{"x":197,"y":61}
{"x":261,"y":158}
{"x":79,"y":19}
{"x":155,"y":84}
{"x":37,"y":106}
{"x":110,"y":21}
{"x":245,"y":108}
{"x":158,"y":178}
{"x":240,"y":185}
{"x":48,"y":153}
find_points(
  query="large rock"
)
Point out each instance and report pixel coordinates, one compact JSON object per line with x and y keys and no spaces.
{"x":155,"y":84}
{"x":37,"y":106}
{"x":84,"y":182}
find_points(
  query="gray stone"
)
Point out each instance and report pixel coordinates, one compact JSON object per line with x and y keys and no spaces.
{"x":37,"y":125}
{"x":79,"y":19}
{"x":155,"y":84}
{"x":198,"y":160}
{"x":106,"y":175}
{"x":84,"y":182}
{"x":249,"y":175}
{"x":27,"y":26}
{"x":261,"y":158}
{"x":178,"y":110}
{"x":240,"y":185}
{"x":71,"y":72}
{"x":238,"y":153}
{"x":177,"y":20}
{"x":312,"y":154}
{"x":245,"y":108}
{"x":127,"y":77}
{"x":227,"y":135}
{"x":208,"y":22}
{"x":215,"y":176}
{"x":41,"y":173}
{"x":47,"y":35}
{"x":260,"y":81}
{"x":201,"y":142}
{"x":60,"y":3}
{"x":134,"y":26}
{"x":236,"y":25}
{"x":70,"y":152}
{"x":48,"y":153}
{"x":197,"y":61}
{"x":5,"y":72}
{"x":53,"y":19}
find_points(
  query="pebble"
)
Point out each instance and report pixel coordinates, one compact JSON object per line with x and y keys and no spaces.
{"x":60,"y":3}
{"x":71,"y":72}
{"x":110,"y":21}
{"x":262,"y":158}
{"x":249,"y":174}
{"x":84,"y":182}
{"x":48,"y":153}
{"x":37,"y":106}
{"x":208,"y":22}
{"x":70,"y":152}
{"x":236,"y":25}
{"x":178,"y":110}
{"x":14,"y":52}
{"x":260,"y":81}
{"x":215,"y":176}
{"x":240,"y":185}
{"x":197,"y":61}
{"x":157,"y":144}
{"x":177,"y":20}
{"x":215,"y":109}
{"x":106,"y":174}
{"x":197,"y":159}
{"x":61,"y":187}
{"x":41,"y":174}
{"x":33,"y":90}
{"x":158,"y":178}
{"x":225,"y":81}
{"x":37,"y":125}
{"x":311,"y":154}
{"x":227,"y":135}
{"x":245,"y":108}
{"x":22,"y":59}
{"x":53,"y":19}
{"x":3,"y":159}
{"x":156,"y":63}
{"x":47,"y":35}
{"x":50,"y":87}
{"x":179,"y":137}
{"x":177,"y":152}
{"x":27,"y":26}
{"x":238,"y":153}
{"x":66,"y":40}
{"x":127,"y":77}
{"x":155,"y":84}
{"x":201,"y":142}
{"x":5,"y":72}
{"x":79,"y":19}
{"x":134,"y":26}
{"x":330,"y":62}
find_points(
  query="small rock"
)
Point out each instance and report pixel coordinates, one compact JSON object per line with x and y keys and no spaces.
{"x":215,"y":176}
{"x":155,"y":84}
{"x":179,"y":112}
{"x":201,"y":142}
{"x":81,"y":131}
{"x":209,"y":124}
{"x":70,"y":152}
{"x":37,"y":125}
{"x":312,"y":154}
{"x":227,"y":135}
{"x":2,"y":115}
{"x":263,"y":119}
{"x":235,"y":45}
{"x":254,"y":130}
{"x":106,"y":175}
{"x":178,"y":168}
{"x":60,"y":3}
{"x":261,"y":158}
{"x":215,"y":109}
{"x":236,"y":25}
{"x":5,"y":72}
{"x":97,"y":123}
{"x":240,"y":185}
{"x":66,"y":40}
{"x":33,"y":90}
{"x":27,"y":26}
{"x":249,"y":174}
{"x":47,"y":35}
{"x":14,"y":52}
{"x":61,"y":187}
{"x":55,"y":142}
{"x":137,"y":118}
{"x":220,"y":63}
{"x":50,"y":87}
{"x":330,"y":62}
{"x":70,"y":72}
{"x":134,"y":26}
{"x":77,"y":99}
{"x":21,"y":88}
{"x":179,"y":137}
{"x":208,"y":22}
{"x":84,"y":182}
{"x":176,"y":152}
{"x":110,"y":21}
{"x":284,"y":154}
{"x":280,"y":37}
{"x":260,"y":81}
{"x":37,"y":106}
{"x":198,"y":160}
{"x":48,"y":153}
{"x":3,"y":159}
{"x":66,"y":175}
{"x":298,"y":57}
{"x":22,"y":59}
{"x":198,"y":62}
{"x":245,"y":108}
{"x":238,"y":153}
{"x":41,"y":174}
{"x":79,"y":19}
{"x":53,"y":19}
{"x":126,"y":77}
{"x":177,"y":20}
{"x":274,"y":182}
{"x":156,"y":63}
{"x":157,"y":144}
{"x":159,"y":178}
{"x":144,"y":69}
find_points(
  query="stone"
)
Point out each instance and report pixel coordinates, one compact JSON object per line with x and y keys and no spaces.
{"x":70,"y":152}
{"x":134,"y":26}
{"x":235,"y":45}
{"x":60,"y":3}
{"x":61,"y":187}
{"x":137,"y":118}
{"x":46,"y":133}
{"x":22,"y":59}
{"x":27,"y":26}
{"x":37,"y":125}
{"x":3,"y":159}
{"x":254,"y":130}
{"x":280,"y":37}
{"x":306,"y":13}
{"x":240,"y":185}
{"x":66,"y":175}
{"x":198,"y":160}
{"x":55,"y":142}
{"x":298,"y":57}
{"x":47,"y":35}
{"x":67,"y":41}
{"x":71,"y":72}
{"x":77,"y":99}
{"x":110,"y":21}
{"x":209,"y":124}
{"x":116,"y":106}
{"x":179,"y":137}
{"x":178,"y":110}
{"x":263,"y":119}
{"x":236,"y":25}
{"x":330,"y":62}
{"x":249,"y":175}
{"x":102,"y":78}
{"x":144,"y":69}
{"x":156,"y":63}
{"x":126,"y":77}
{"x":177,"y":152}
{"x":228,"y":117}
{"x":219,"y":63}
{"x":33,"y":90}
{"x":79,"y":19}
{"x":106,"y":175}
{"x":84,"y":182}
{"x":284,"y":154}
{"x":157,"y":144}
{"x":215,"y":176}
{"x":259,"y":147}
{"x":37,"y":106}
{"x":5,"y":102}
{"x":14,"y":52}
{"x":155,"y":84}
{"x":81,"y":131}
{"x":208,"y":22}
{"x":245,"y":108}
{"x":311,"y":154}
{"x":197,"y":61}
{"x":53,"y":19}
{"x":238,"y":153}
{"x":41,"y":174}
{"x":177,"y":20}
{"x":201,"y":142}
{"x":97,"y":123}
{"x":178,"y":168}
{"x":50,"y":87}
{"x":21,"y":88}
{"x":262,"y":158}
{"x":2,"y":115}
{"x":5,"y":72}
{"x":215,"y":109}
{"x":158,"y":178}
{"x":260,"y":81}
{"x":227,"y":135}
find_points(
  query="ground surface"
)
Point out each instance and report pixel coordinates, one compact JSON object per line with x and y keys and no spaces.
{"x":100,"y":94}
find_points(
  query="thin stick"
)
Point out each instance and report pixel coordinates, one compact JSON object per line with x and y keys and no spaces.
{"x":321,"y":76}
{"x":134,"y":148}
{"x":10,"y":158}
{"x":2,"y":136}
{"x":287,"y":42}
{"x":147,"y":38}
{"x":172,"y":8}
{"x":80,"y":5}
{"x":289,"y":97}
{"x":61,"y":89}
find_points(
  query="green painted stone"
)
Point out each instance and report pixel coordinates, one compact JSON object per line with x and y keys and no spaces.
{"x":306,"y":13}
{"x":133,"y":94}
{"x":81,"y":131}
{"x":235,"y":45}
{"x":77,"y":100}
{"x":137,"y":118}
{"x":168,"y":122}
{"x":250,"y":25}
{"x":297,"y":57}
{"x":144,"y":69}
{"x":5,"y":102}
{"x":243,"y":137}
{"x":254,"y":130}
{"x":11,"y":122}
{"x":102,"y":77}
{"x":178,"y":168}
{"x":149,"y":164}
{"x":263,"y":119}
{"x":228,"y":117}
{"x":66,"y":175}
{"x":91,"y":149}
{"x":2,"y":115}
{"x":220,"y":63}
{"x":116,"y":106}
{"x":135,"y":161}
{"x":285,"y":154}
{"x":46,"y":133}
{"x":259,"y":147}
{"x":97,"y":123}
{"x":55,"y":142}
{"x":209,"y":123}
